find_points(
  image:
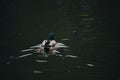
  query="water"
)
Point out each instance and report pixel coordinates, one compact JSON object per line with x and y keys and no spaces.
{"x":86,"y":26}
{"x":52,"y":67}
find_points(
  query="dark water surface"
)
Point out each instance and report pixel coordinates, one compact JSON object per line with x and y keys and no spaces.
{"x":90,"y":25}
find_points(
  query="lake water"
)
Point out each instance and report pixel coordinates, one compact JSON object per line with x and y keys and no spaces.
{"x":85,"y":26}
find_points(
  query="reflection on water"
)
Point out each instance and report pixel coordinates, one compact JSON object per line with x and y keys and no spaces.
{"x":53,"y":67}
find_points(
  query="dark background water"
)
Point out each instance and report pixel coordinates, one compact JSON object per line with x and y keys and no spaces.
{"x":27,"y":22}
